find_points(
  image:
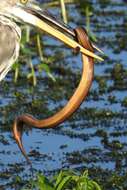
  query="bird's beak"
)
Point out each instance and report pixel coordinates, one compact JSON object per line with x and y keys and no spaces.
{"x":37,"y":18}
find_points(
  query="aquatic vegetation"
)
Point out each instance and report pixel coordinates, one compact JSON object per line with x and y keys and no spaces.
{"x":124,"y":102}
{"x":65,"y":180}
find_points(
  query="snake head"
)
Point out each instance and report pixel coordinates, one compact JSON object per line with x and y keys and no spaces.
{"x":80,"y":34}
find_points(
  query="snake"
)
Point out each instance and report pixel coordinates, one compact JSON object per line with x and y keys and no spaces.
{"x":72,"y":105}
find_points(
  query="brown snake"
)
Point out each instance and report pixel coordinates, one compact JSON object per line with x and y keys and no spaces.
{"x":72,"y":105}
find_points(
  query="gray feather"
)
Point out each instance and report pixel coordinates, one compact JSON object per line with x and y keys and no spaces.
{"x":9,"y":45}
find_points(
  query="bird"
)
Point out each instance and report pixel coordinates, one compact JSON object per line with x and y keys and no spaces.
{"x":26,"y":11}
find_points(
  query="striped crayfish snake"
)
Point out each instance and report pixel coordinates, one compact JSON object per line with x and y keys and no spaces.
{"x":72,"y":105}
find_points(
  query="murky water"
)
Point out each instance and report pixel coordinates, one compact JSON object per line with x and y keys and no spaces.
{"x":95,"y":136}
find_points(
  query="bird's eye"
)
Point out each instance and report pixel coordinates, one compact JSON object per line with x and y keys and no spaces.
{"x":23,"y":1}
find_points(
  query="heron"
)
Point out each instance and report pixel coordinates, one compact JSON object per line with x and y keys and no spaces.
{"x":13,"y":12}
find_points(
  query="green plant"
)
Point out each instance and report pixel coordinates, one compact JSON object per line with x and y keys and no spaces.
{"x":65,"y":180}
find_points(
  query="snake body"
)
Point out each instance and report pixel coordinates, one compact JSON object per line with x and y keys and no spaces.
{"x":72,"y":105}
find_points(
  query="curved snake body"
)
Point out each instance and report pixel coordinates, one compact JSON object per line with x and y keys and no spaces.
{"x":72,"y":105}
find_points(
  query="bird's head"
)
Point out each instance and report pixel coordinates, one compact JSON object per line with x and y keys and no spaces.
{"x":29,"y":12}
